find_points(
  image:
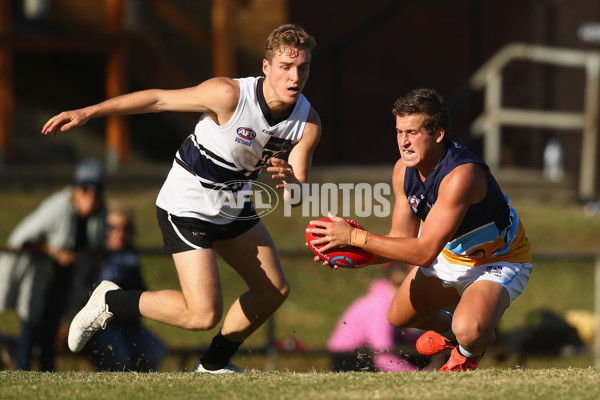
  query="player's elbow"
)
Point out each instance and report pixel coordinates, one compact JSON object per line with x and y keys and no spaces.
{"x":426,"y":258}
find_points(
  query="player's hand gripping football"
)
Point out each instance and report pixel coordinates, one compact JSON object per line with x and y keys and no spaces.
{"x":335,"y":233}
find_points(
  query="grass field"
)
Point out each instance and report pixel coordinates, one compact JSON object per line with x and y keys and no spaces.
{"x":318,"y":298}
{"x":491,"y":384}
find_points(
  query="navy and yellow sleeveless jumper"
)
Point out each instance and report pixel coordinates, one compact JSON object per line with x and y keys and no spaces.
{"x":490,"y":231}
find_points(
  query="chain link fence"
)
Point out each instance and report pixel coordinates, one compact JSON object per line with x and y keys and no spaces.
{"x":554,"y":317}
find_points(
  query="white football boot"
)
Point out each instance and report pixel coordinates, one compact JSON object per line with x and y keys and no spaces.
{"x":91,"y":318}
{"x":229,"y":369}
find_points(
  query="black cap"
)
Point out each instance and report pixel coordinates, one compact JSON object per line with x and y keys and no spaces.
{"x":89,"y":172}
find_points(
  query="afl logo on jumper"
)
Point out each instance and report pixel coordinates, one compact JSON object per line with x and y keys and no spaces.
{"x":413,"y":201}
{"x":245,"y":136}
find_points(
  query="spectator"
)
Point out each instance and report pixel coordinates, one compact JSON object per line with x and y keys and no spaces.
{"x":363,"y":339}
{"x":36,"y":279}
{"x":124,"y":344}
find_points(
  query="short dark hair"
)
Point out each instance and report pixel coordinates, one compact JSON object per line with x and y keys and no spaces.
{"x":426,"y":102}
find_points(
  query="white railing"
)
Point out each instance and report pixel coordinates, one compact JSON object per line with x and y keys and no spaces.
{"x":489,"y":78}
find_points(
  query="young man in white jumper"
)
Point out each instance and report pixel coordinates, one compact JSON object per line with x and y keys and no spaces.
{"x":245,"y":125}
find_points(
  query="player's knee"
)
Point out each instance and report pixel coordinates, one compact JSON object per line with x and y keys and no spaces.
{"x":203,"y":321}
{"x":396,"y":319}
{"x":471,"y":334}
{"x":280,"y":293}
{"x":275,"y":296}
{"x":284,"y":291}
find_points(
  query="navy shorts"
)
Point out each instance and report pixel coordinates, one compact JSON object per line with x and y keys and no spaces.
{"x":184,"y":233}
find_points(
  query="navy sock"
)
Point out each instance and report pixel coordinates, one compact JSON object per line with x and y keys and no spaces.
{"x":220,"y":351}
{"x":449,"y":335}
{"x":124,"y":302}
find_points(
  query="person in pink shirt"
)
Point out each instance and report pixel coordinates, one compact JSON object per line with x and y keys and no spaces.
{"x":363,"y":339}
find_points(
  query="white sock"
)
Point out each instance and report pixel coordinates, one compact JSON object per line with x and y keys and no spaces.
{"x":465,"y":353}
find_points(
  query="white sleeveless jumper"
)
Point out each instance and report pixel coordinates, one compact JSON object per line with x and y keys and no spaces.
{"x":227,"y":158}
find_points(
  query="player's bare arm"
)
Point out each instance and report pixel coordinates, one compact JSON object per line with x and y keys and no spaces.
{"x":297,"y":168}
{"x":404,"y":221}
{"x":464,"y":186}
{"x":217,"y":97}
{"x":405,"y":224}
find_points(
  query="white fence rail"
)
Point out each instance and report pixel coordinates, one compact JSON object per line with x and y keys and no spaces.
{"x":489,"y":78}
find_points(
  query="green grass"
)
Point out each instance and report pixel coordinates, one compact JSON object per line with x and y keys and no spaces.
{"x":319,"y":295}
{"x":489,"y":384}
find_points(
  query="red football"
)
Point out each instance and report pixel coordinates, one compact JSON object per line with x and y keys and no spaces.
{"x":346,"y":257}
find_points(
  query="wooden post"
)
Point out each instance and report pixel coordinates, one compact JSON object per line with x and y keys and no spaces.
{"x":223,"y":46}
{"x":7,"y":103}
{"x":117,"y":126}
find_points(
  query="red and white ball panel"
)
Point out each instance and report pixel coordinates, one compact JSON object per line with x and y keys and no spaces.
{"x":346,"y":257}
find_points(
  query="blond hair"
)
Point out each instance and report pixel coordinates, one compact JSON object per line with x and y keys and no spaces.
{"x":287,"y":37}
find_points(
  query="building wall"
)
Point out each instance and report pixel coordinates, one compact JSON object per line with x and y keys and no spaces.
{"x":369,"y":53}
